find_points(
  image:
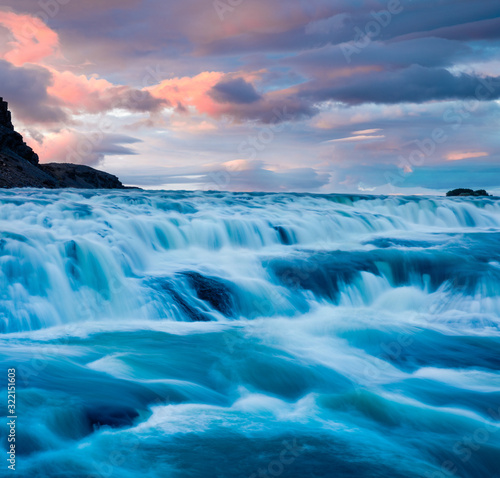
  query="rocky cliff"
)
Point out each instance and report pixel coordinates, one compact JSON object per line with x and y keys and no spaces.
{"x":19,"y":165}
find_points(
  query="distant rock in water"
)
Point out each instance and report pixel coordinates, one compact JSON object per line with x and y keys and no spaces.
{"x":20,"y":168}
{"x":467,"y":192}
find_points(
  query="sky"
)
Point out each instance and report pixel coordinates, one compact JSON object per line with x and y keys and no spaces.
{"x":337,"y":96}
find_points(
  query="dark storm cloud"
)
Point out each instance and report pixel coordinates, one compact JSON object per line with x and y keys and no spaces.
{"x":488,"y":29}
{"x":411,"y":85}
{"x":25,"y":89}
{"x":326,"y":60}
{"x":235,"y":90}
{"x":271,"y":109}
{"x":341,"y":22}
{"x":130,"y":99}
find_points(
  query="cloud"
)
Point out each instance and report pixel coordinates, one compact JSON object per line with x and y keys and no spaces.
{"x":189,"y":91}
{"x":476,"y":30}
{"x":42,"y":95}
{"x":217,"y":95}
{"x":367,"y":131}
{"x":335,"y":22}
{"x":236,"y":91}
{"x":95,"y":95}
{"x":25,"y":88}
{"x":351,"y":139}
{"x":237,"y":175}
{"x":70,"y":146}
{"x":33,"y":40}
{"x":217,"y":83}
{"x":255,"y":176}
{"x":458,"y":156}
{"x":415,"y":84}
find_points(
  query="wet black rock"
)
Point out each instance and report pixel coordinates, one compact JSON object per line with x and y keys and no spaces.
{"x":214,"y":291}
{"x":111,"y":416}
{"x":467,"y":192}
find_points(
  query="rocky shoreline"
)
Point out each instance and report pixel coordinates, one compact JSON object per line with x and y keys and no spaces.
{"x":20,"y":167}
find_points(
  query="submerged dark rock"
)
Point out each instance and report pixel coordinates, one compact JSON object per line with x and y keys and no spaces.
{"x":181,"y":301}
{"x":20,"y":168}
{"x":211,"y":290}
{"x":114,"y":416}
{"x":466,"y":192}
{"x":285,"y":237}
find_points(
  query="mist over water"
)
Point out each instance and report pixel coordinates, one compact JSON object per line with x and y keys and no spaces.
{"x":188,"y":334}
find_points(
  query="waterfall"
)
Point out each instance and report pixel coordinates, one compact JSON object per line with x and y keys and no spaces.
{"x":363,"y":330}
{"x":70,"y":257}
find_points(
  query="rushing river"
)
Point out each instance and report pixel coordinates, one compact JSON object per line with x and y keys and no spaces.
{"x":217,"y":335}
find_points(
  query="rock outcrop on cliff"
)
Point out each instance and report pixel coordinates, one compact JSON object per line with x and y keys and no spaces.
{"x":19,"y":165}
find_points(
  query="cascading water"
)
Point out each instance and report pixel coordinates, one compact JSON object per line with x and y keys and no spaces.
{"x":191,"y":334}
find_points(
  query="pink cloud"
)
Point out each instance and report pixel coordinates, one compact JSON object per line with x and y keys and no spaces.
{"x":82,"y":94}
{"x":352,"y":139}
{"x":70,"y":146}
{"x":58,"y":147}
{"x":190,"y":91}
{"x":33,"y":41}
{"x":457,"y":156}
{"x":79,"y":91}
{"x":195,"y":91}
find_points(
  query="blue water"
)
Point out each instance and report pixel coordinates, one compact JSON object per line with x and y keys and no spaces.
{"x":185,"y":335}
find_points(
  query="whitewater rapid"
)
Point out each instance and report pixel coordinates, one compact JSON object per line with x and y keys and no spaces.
{"x":191,"y":334}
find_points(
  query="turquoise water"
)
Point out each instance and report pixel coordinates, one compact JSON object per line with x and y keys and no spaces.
{"x":167,"y":334}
